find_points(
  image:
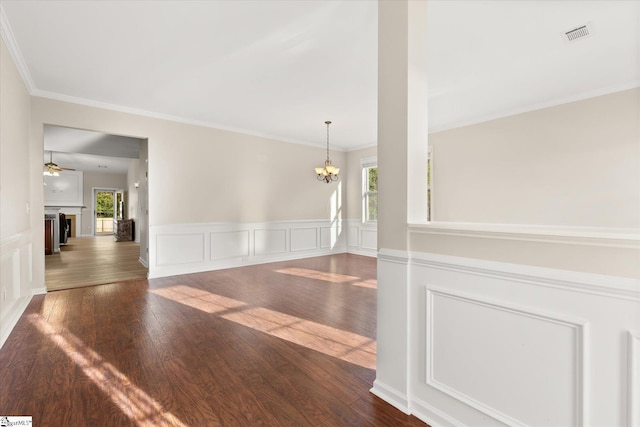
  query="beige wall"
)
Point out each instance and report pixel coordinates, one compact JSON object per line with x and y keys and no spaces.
{"x":573,"y":165}
{"x":576,"y":164}
{"x":14,"y":150}
{"x":93,"y":180}
{"x":200,"y":174}
{"x":20,"y":180}
{"x":203,"y":175}
{"x":353,"y":180}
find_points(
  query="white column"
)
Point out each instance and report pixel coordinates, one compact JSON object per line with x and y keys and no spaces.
{"x":402,"y":167}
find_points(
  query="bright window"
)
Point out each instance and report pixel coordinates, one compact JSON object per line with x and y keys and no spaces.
{"x":370,"y":190}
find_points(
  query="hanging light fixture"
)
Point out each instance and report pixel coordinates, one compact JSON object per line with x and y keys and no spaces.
{"x":327,"y":173}
{"x":51,"y":169}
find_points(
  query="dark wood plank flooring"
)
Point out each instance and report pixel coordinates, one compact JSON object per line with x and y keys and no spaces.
{"x":290,"y":343}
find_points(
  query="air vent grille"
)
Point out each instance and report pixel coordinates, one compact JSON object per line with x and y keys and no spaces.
{"x":577,"y":33}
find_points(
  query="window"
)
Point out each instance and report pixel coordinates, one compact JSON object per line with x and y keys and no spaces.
{"x":370,"y":189}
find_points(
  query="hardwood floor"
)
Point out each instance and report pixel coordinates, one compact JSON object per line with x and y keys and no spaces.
{"x":86,"y":261}
{"x":290,"y":343}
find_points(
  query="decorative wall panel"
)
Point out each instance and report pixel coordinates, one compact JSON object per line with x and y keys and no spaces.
{"x":303,"y":239}
{"x":229,"y":244}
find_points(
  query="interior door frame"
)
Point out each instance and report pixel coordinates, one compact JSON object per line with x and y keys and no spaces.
{"x":94,"y":191}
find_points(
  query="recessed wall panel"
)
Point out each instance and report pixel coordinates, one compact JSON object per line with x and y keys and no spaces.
{"x":520,"y":367}
{"x":229,"y":244}
{"x":304,"y":239}
{"x":172,"y":249}
{"x":353,"y":237}
{"x":369,"y":239}
{"x":270,"y":242}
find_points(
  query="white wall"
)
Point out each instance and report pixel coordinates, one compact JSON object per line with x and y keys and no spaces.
{"x":17,"y":183}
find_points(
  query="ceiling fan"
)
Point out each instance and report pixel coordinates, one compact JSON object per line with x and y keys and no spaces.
{"x":52,"y":169}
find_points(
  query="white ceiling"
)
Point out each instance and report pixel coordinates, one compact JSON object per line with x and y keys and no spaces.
{"x":281,"y":68}
{"x":89,"y":151}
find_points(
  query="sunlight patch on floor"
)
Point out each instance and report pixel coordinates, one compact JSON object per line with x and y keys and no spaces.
{"x":344,"y":345}
{"x":319,"y":275}
{"x":198,"y":298}
{"x":132,"y":401}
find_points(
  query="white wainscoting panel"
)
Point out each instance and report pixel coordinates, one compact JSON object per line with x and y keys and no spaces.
{"x":353,"y":238}
{"x":497,"y":344}
{"x":369,"y":239}
{"x":326,"y":234}
{"x":362,"y":238}
{"x":269,"y":242}
{"x":172,"y":249}
{"x":229,"y":244}
{"x":189,"y":248}
{"x":16,"y":275}
{"x":473,"y":342}
{"x":304,"y":239}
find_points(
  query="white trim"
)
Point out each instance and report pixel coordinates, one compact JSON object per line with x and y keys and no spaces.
{"x":392,"y":396}
{"x":144,"y":263}
{"x":534,"y":107}
{"x":7,"y":35}
{"x":13,"y":313}
{"x":268,"y":242}
{"x":16,"y":255}
{"x":591,"y":236}
{"x":595,"y":284}
{"x":394,"y":256}
{"x":366,"y":163}
{"x":177,"y":119}
{"x":431,"y":415}
{"x":579,"y":326}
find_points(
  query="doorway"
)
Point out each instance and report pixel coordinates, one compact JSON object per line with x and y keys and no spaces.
{"x":112,"y":176}
{"x":103,"y":202}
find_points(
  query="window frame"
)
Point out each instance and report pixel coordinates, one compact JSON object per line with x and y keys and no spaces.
{"x":367,"y":163}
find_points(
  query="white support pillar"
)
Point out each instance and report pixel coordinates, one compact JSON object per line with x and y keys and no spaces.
{"x":402,"y":167}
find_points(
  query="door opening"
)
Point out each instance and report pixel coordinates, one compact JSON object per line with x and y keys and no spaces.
{"x":104,"y":211}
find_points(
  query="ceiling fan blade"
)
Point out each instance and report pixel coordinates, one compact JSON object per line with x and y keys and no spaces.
{"x":66,"y":169}
{"x":52,"y":167}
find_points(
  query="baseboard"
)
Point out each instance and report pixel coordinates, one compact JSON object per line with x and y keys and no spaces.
{"x":175,"y":270}
{"x":391,"y":396}
{"x":40,"y":291}
{"x":143,"y":262}
{"x":10,"y":320}
{"x":364,"y":252}
{"x":432,"y":416}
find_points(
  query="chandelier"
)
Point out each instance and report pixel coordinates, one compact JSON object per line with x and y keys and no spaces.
{"x":327,"y":173}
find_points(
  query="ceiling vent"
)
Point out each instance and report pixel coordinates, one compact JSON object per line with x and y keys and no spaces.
{"x":578,"y":33}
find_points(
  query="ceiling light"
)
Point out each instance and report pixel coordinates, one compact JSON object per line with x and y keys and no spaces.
{"x":327,"y":173}
{"x":51,"y":169}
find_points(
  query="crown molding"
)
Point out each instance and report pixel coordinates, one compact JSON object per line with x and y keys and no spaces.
{"x":538,"y":106}
{"x":10,"y":41}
